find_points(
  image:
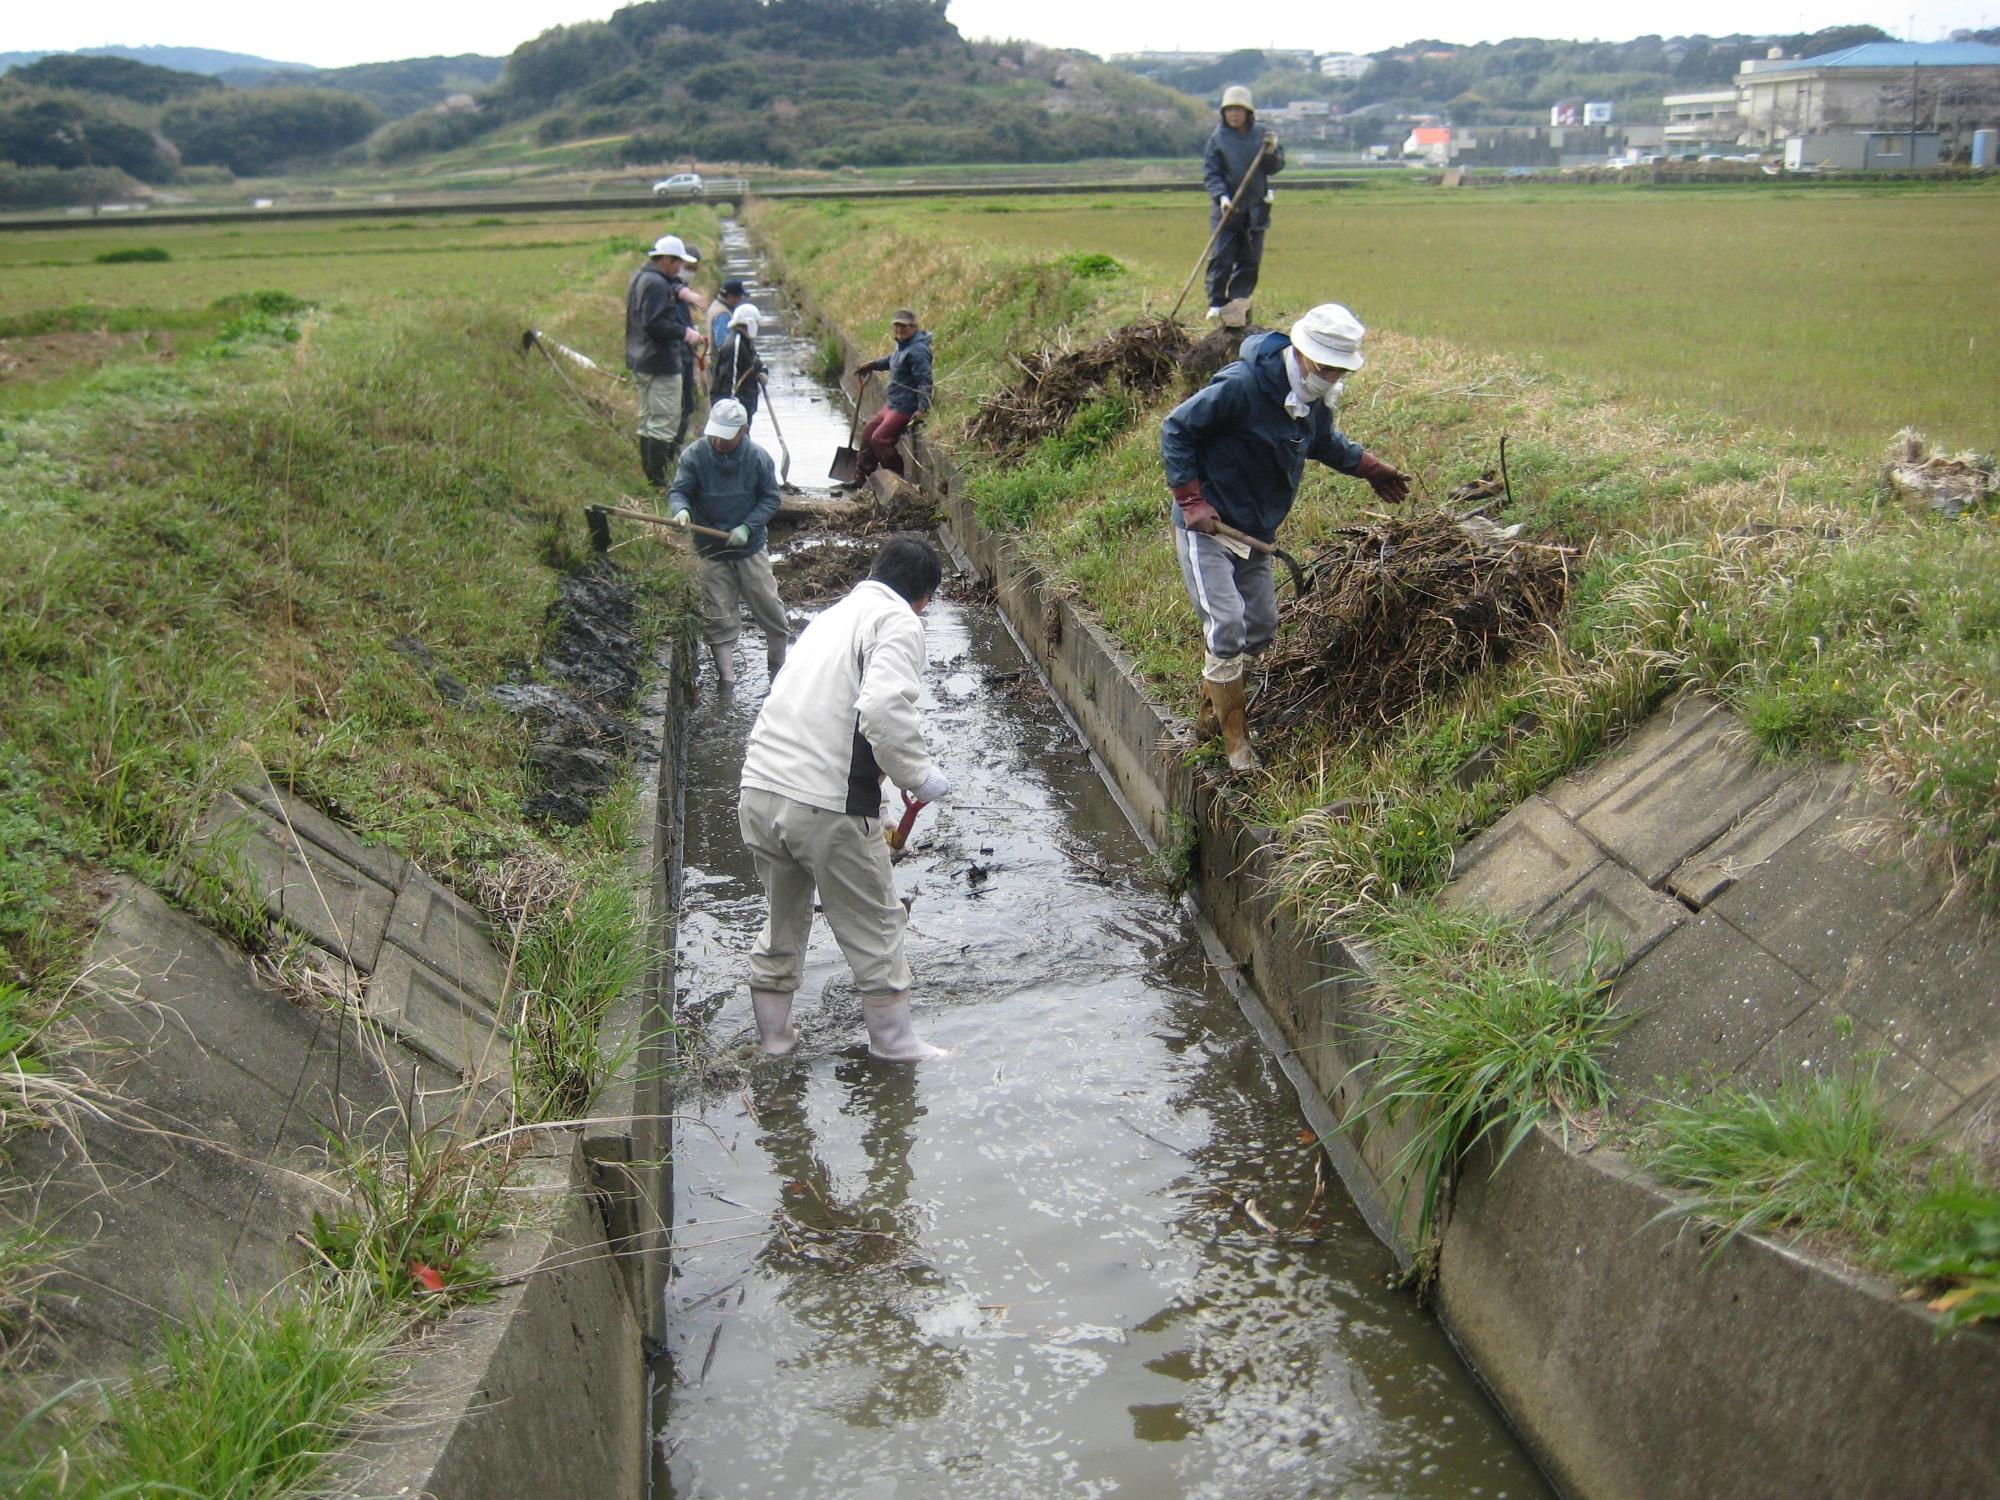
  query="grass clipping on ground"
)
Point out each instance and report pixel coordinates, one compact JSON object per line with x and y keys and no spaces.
{"x":1400,"y":610}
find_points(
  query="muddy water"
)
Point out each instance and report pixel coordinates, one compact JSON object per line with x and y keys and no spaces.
{"x":1091,"y":1253}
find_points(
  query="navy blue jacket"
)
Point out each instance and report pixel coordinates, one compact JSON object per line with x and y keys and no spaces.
{"x":726,"y":490}
{"x":654,"y":320}
{"x":1236,"y":437}
{"x":909,"y":373}
{"x":1223,"y":163}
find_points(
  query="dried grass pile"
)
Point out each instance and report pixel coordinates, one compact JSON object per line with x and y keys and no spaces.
{"x":825,"y":570}
{"x":1949,"y":484}
{"x":1402,"y":609}
{"x":1057,"y":381}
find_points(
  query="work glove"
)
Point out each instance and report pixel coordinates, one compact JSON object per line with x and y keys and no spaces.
{"x":692,"y":336}
{"x":1389,"y":483}
{"x":1196,"y":513}
{"x":936,"y":787}
{"x":681,"y":519}
{"x":739,"y":536}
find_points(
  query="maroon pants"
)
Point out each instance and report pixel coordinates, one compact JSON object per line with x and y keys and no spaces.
{"x":878,"y":442}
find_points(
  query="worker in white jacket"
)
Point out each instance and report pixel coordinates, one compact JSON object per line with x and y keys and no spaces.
{"x":841,"y":715}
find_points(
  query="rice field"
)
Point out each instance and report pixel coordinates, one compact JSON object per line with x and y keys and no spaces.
{"x":1837,"y":316}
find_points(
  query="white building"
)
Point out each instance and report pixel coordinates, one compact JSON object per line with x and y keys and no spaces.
{"x":1348,"y":65}
{"x":1708,"y":118}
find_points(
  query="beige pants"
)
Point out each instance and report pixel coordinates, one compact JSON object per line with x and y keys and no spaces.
{"x":799,"y":849}
{"x":659,"y":406}
{"x":729,"y":583}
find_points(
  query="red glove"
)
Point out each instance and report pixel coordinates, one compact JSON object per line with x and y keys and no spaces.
{"x":1196,"y":513}
{"x":1390,"y":483}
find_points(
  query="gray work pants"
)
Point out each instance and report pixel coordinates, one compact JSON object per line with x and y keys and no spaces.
{"x":728,"y":583}
{"x":799,"y":849}
{"x":1234,"y":598}
{"x":659,"y":406}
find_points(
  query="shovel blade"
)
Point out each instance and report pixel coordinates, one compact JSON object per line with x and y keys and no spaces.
{"x":846,"y":466}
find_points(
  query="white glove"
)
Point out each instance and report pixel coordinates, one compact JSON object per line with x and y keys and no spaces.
{"x":1222,"y":200}
{"x":936,"y":787}
{"x":681,"y":519}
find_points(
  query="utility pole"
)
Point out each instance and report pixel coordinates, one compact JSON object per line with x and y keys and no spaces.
{"x":1913,"y":114}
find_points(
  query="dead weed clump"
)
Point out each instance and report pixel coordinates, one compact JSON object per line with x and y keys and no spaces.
{"x":1401,"y":609}
{"x":826,"y":570}
{"x":1056,"y":382}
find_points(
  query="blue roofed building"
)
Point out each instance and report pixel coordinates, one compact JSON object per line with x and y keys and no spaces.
{"x":1949,"y":88}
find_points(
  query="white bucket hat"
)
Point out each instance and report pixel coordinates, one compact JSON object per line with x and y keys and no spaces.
{"x":1330,"y":335}
{"x":670,"y":244}
{"x":1236,"y":96}
{"x":725,"y":419}
{"x":746,"y":315}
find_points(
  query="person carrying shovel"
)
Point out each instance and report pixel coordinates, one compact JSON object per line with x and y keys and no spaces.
{"x":908,"y":399}
{"x":1234,"y":453}
{"x":726,"y":484}
{"x":1236,"y":168}
{"x":739,"y":373}
{"x":841,"y":717}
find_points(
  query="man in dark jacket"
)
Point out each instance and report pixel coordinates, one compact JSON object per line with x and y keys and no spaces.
{"x":660,"y":339}
{"x":1238,"y":149}
{"x":1235,"y":451}
{"x":909,"y":395}
{"x":727,"y":483}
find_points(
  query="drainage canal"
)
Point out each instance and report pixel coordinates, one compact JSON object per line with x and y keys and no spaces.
{"x":1094,"y":1251}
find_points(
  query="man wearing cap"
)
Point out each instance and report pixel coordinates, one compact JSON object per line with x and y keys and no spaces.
{"x":660,"y":337}
{"x":738,"y":372}
{"x":909,"y":396}
{"x":726,"y":302}
{"x":1238,"y":149}
{"x":1234,"y":452}
{"x":727,"y":483}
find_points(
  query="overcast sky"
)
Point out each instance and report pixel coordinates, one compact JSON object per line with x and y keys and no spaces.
{"x":378,"y":30}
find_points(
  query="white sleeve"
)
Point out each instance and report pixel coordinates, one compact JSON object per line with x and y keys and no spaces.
{"x":892,"y":666}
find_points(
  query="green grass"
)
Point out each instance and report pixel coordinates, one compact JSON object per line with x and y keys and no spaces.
{"x":1820,"y":1158}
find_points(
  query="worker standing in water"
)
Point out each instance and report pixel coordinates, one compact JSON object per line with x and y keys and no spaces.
{"x":1237,"y":150}
{"x":1234,"y":453}
{"x":727,"y":483}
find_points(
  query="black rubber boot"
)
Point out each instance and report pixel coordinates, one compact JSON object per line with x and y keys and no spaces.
{"x":652,"y":458}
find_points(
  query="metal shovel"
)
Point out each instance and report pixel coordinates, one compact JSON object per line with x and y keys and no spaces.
{"x":847,"y":461}
{"x":784,"y":451}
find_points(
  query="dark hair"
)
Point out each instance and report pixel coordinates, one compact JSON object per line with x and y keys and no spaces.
{"x":909,"y":566}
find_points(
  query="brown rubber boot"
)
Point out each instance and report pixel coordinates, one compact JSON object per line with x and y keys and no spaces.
{"x":1228,"y":700}
{"x":1206,"y":725}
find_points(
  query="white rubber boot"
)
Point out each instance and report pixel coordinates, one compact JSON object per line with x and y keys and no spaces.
{"x":892,"y":1035}
{"x":723,"y":654}
{"x":776,"y":1035}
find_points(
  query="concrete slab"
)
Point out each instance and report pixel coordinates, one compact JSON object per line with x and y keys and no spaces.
{"x":1523,"y":863}
{"x":1703,"y":1001}
{"x":1615,"y":903}
{"x":450,"y":937}
{"x":1656,"y":737}
{"x":382,"y":865}
{"x":1820,"y":907}
{"x":1759,"y":835}
{"x":303,"y":885}
{"x":1826,"y":1041}
{"x":1679,"y":799}
{"x":431,"y":1013}
{"x":1932,"y":991}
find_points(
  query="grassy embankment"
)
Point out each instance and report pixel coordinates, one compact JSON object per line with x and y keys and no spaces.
{"x":318,"y":440}
{"x":1698,"y":387}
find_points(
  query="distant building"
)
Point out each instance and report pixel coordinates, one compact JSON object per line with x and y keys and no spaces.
{"x":1347,"y":65}
{"x":1949,"y":87}
{"x":1431,"y":143}
{"x":1698,"y":121}
{"x":1865,"y":150}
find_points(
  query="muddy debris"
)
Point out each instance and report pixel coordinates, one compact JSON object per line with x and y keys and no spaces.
{"x":825,"y":570}
{"x":1949,"y":484}
{"x":1057,"y":381}
{"x":1399,"y":610}
{"x":592,"y":659}
{"x":1213,"y":350}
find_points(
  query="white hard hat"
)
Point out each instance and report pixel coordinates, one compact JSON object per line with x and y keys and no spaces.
{"x":1330,"y":335}
{"x":1236,"y":95}
{"x":725,"y":419}
{"x":670,"y":244}
{"x":746,"y":315}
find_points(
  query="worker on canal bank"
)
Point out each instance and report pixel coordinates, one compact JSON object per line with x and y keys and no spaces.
{"x":1238,"y":149}
{"x":692,"y":304}
{"x":1234,"y":453}
{"x":727,"y":483}
{"x":909,"y":368}
{"x":842,"y":716}
{"x":660,"y":344}
{"x":737,"y":373}
{"x":732,"y":296}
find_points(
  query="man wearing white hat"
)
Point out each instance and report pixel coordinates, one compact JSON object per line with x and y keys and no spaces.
{"x":738,"y":371}
{"x":727,"y":483}
{"x":1237,"y":150}
{"x":660,"y":341}
{"x":1235,"y":451}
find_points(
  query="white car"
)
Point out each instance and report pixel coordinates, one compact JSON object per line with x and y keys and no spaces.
{"x":681,"y":184}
